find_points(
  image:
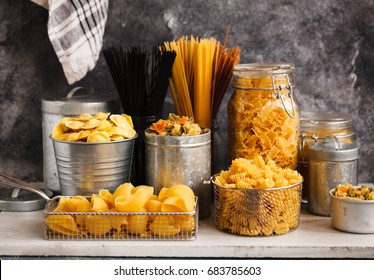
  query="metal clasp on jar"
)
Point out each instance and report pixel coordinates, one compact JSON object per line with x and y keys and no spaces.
{"x":278,"y":94}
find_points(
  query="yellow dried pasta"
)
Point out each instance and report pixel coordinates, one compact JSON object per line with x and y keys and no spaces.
{"x":242,"y":207}
{"x":258,"y":173}
{"x":260,"y":124}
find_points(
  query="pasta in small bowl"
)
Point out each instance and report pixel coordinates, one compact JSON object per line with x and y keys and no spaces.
{"x":257,"y":198}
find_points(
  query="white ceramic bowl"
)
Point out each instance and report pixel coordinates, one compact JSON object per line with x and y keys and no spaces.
{"x":351,"y":215}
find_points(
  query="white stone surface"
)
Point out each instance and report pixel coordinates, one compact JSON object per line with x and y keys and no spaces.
{"x":21,"y":234}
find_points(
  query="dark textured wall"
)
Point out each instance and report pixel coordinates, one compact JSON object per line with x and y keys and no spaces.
{"x":331,"y":43}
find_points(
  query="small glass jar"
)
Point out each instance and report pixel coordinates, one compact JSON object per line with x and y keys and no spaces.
{"x":315,"y":127}
{"x":263,"y":115}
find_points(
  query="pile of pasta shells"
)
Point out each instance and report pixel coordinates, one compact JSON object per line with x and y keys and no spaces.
{"x":101,"y":127}
{"x":257,"y":198}
{"x":128,"y":211}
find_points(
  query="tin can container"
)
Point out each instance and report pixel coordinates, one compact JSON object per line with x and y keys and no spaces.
{"x":172,"y":160}
{"x":330,"y":163}
{"x":315,"y":127}
{"x":77,"y":101}
{"x":86,"y":167}
{"x":350,"y":215}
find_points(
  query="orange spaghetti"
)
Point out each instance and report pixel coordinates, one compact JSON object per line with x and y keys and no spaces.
{"x":200,"y":76}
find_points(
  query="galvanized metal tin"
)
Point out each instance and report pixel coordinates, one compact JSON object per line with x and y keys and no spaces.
{"x":77,"y":101}
{"x":86,"y":167}
{"x":172,"y":160}
{"x":330,"y":163}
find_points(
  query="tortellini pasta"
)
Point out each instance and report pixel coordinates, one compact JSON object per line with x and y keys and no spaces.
{"x":102,"y":127}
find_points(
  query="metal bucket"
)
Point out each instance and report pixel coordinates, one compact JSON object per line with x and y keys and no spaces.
{"x":172,"y":160}
{"x":85,"y":168}
{"x":77,"y":101}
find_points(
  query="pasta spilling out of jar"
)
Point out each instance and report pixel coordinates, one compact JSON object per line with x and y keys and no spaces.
{"x":101,"y":127}
{"x":262,"y":123}
{"x":257,"y":198}
{"x":350,"y":192}
{"x":128,"y":211}
{"x":177,"y":126}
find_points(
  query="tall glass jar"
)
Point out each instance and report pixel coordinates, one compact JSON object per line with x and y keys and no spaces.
{"x":263,"y":115}
{"x":315,"y":127}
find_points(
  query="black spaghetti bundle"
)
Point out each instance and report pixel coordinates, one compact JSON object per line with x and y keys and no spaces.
{"x":141,"y":77}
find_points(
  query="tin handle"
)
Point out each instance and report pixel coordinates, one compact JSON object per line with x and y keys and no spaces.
{"x":334,"y":140}
{"x":278,"y":94}
{"x":74,"y":90}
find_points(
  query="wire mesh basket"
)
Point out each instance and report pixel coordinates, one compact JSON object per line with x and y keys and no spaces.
{"x":119,"y":225}
{"x":257,"y":212}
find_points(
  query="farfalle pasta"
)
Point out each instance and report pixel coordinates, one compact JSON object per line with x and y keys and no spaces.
{"x":260,"y":122}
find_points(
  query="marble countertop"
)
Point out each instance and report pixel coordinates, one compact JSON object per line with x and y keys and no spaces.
{"x":22,"y":235}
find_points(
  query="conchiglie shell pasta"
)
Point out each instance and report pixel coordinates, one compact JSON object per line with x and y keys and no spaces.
{"x":175,"y":204}
{"x":164,"y":226}
{"x":137,"y":224}
{"x":134,"y":203}
{"x":185,"y":222}
{"x":98,"y":204}
{"x":119,"y":222}
{"x":98,"y":225}
{"x":64,"y":224}
{"x":122,"y":190}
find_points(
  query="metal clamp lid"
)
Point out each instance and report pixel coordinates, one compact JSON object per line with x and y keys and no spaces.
{"x":279,"y":95}
{"x":333,"y":150}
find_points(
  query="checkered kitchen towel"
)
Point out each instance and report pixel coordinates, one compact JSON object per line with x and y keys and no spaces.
{"x":76,"y":30}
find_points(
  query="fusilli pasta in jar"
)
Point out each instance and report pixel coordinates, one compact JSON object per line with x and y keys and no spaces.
{"x":263,"y":117}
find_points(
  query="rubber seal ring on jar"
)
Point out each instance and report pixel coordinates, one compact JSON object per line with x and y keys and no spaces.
{"x":278,"y":95}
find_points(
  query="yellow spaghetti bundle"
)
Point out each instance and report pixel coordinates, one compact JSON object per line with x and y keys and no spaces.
{"x":200,"y":76}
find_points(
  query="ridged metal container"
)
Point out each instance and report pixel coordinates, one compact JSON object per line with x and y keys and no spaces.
{"x":172,"y":160}
{"x":77,"y":101}
{"x":85,"y":168}
{"x":257,"y":212}
{"x":330,"y":163}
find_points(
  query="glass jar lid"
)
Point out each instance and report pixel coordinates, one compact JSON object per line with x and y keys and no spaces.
{"x":325,"y":120}
{"x":256,"y":69}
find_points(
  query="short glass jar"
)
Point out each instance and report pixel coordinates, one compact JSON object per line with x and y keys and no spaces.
{"x":315,"y":127}
{"x":263,"y":115}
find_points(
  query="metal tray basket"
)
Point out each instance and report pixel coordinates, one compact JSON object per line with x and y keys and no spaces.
{"x":257,"y":212}
{"x":119,"y":225}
